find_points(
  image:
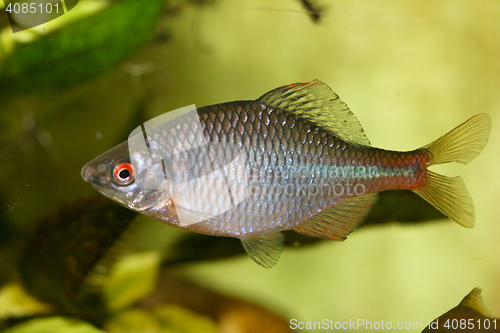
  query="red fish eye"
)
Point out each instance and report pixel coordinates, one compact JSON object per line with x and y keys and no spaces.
{"x":124,"y":173}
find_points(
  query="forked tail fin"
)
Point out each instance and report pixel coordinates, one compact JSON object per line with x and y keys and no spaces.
{"x":462,"y":144}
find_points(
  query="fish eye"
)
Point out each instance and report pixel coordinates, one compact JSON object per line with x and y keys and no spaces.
{"x":123,"y":174}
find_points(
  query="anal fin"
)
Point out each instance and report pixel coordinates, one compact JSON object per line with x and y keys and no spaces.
{"x":264,"y":248}
{"x":337,"y":221}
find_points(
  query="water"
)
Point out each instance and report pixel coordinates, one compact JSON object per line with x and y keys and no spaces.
{"x":409,"y":72}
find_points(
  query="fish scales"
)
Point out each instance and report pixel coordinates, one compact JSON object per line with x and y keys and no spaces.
{"x":307,"y":166}
{"x":331,"y":171}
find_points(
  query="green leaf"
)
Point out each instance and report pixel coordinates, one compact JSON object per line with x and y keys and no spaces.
{"x":183,"y":320}
{"x":131,"y":321}
{"x":15,"y":302}
{"x":81,"y":50}
{"x":132,"y":278}
{"x":53,"y":325}
{"x":88,"y":234}
{"x":163,"y":319}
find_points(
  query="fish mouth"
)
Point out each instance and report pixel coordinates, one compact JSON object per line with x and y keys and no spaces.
{"x":91,"y":175}
{"x":97,"y":171}
{"x":88,"y":174}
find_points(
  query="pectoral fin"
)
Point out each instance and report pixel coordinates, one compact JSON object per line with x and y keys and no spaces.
{"x":337,"y":221}
{"x":265,"y":248}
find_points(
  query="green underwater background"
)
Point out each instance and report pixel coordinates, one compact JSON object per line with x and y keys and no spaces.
{"x":76,"y":86}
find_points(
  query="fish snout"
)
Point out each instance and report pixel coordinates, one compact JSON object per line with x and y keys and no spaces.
{"x":88,"y":174}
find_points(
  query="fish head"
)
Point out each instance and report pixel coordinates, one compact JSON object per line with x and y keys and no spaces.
{"x":123,"y":177}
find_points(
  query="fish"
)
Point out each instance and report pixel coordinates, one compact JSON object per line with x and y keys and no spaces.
{"x":470,"y":315}
{"x":296,"y":158}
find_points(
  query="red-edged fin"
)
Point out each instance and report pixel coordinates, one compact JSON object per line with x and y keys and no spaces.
{"x":316,"y":102}
{"x":462,"y":144}
{"x":337,"y":221}
{"x":474,"y":300}
{"x":264,"y":248}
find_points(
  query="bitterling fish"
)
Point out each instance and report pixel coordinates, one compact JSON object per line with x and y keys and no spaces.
{"x":470,"y":315}
{"x":295,"y":158}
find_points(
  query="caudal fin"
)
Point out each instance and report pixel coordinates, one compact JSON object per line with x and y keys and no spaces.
{"x":462,"y":144}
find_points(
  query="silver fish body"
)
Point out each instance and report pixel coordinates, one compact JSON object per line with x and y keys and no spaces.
{"x":296,"y":158}
{"x":283,"y":155}
{"x":287,"y":162}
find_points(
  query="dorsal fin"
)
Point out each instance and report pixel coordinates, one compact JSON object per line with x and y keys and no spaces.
{"x":474,"y":300}
{"x":337,"y":221}
{"x":316,"y":102}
